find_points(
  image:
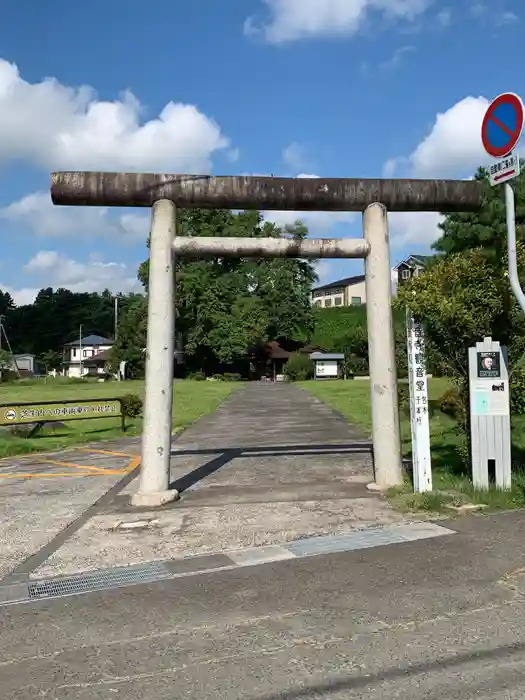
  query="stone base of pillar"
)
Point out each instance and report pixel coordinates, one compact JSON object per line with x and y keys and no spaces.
{"x":154,"y":500}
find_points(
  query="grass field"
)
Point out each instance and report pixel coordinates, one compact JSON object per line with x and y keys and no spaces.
{"x":451,"y":485}
{"x":192,"y":399}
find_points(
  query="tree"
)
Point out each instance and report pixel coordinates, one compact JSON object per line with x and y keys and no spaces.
{"x":6,"y":359}
{"x":131,"y":339}
{"x":485,"y":228}
{"x":7,"y":303}
{"x":51,"y":359}
{"x":226,"y":308}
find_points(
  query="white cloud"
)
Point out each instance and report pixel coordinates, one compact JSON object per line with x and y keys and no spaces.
{"x":51,"y":269}
{"x":59,"y":127}
{"x":294,"y":156}
{"x":397,"y":58}
{"x":444,"y":17}
{"x":38,"y":214}
{"x":417,"y":228}
{"x":453,"y":147}
{"x":297,"y":19}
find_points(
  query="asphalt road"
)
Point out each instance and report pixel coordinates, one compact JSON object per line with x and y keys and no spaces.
{"x":440,"y":618}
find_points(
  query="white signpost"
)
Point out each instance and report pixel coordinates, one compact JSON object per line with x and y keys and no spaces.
{"x":417,"y":379}
{"x":504,"y":170}
{"x":489,"y":414}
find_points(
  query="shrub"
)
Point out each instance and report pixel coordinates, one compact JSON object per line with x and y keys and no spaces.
{"x":355,"y":365}
{"x":403,"y":397}
{"x":217,"y":377}
{"x":517,"y":390}
{"x":131,"y":405}
{"x":454,"y":403}
{"x":299,"y":367}
{"x":197,"y":376}
{"x":232,"y":377}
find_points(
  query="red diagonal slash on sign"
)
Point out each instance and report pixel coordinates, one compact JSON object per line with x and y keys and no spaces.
{"x":501,"y":125}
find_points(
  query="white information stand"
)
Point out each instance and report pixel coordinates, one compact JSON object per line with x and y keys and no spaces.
{"x":419,"y":419}
{"x":489,"y":414}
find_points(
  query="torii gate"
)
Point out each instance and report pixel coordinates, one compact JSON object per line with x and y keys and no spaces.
{"x":164,"y":193}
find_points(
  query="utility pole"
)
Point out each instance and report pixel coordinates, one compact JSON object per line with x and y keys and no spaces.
{"x":116,"y":317}
{"x":3,"y":334}
{"x":80,"y":349}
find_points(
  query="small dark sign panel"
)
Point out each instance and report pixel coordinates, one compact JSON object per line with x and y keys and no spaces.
{"x":489,"y":365}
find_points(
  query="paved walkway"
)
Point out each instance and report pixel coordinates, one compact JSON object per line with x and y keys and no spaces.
{"x":271,"y":466}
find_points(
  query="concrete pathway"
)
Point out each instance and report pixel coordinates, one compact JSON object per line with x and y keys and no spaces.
{"x":271,"y":466}
{"x":43,"y":494}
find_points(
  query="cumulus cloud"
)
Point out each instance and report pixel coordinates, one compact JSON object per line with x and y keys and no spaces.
{"x":291,"y":20}
{"x":55,"y":126}
{"x":419,"y":228}
{"x":452,"y":148}
{"x":454,"y":143}
{"x":294,"y":156}
{"x":49,"y":268}
{"x":36,"y":213}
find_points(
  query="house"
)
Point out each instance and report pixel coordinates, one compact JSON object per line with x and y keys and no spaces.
{"x":410,"y":267}
{"x":23,"y":363}
{"x":349,"y":291}
{"x":87,"y":355}
{"x":269,"y":361}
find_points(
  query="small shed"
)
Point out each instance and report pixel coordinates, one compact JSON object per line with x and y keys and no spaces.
{"x":327,"y":365}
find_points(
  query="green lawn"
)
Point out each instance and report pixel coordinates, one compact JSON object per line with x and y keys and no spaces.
{"x":192,"y":399}
{"x":451,"y":484}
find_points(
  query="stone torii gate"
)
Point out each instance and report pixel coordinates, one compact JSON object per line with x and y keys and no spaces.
{"x":163,"y":193}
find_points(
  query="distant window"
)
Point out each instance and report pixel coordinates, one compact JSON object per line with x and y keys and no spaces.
{"x":338,"y":301}
{"x":318,"y":294}
{"x":338,"y":291}
{"x":74,"y":352}
{"x":328,"y":302}
{"x":318,"y":303}
{"x":405,"y":274}
{"x":417,"y":271}
{"x":355,"y":300}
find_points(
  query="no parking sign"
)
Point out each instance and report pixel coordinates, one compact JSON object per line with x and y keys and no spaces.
{"x":500,"y":133}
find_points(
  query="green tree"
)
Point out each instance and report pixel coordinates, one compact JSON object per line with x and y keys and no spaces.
{"x":225,"y":308}
{"x":6,"y":359}
{"x":485,"y":228}
{"x":51,"y":359}
{"x":131,"y":338}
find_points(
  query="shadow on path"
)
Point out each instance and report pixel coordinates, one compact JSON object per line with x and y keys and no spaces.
{"x":226,"y":455}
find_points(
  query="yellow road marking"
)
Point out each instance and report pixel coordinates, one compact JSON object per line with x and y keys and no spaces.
{"x":105,"y":452}
{"x":48,"y":475}
{"x":93,"y":471}
{"x":88,"y":467}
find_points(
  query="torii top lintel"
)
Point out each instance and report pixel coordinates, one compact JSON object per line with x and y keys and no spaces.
{"x":264,"y":193}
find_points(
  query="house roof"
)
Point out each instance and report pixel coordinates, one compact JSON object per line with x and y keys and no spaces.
{"x":345,"y":282}
{"x":275,"y":351}
{"x":327,"y":356}
{"x":414,"y":260}
{"x":90,"y":340}
{"x":103,"y":356}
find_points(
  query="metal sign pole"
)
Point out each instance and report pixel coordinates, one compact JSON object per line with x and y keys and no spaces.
{"x":511,"y":245}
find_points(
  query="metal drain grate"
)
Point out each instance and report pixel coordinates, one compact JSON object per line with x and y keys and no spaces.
{"x":97,"y":581}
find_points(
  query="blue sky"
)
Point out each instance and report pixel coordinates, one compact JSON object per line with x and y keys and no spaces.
{"x":333,"y":88}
